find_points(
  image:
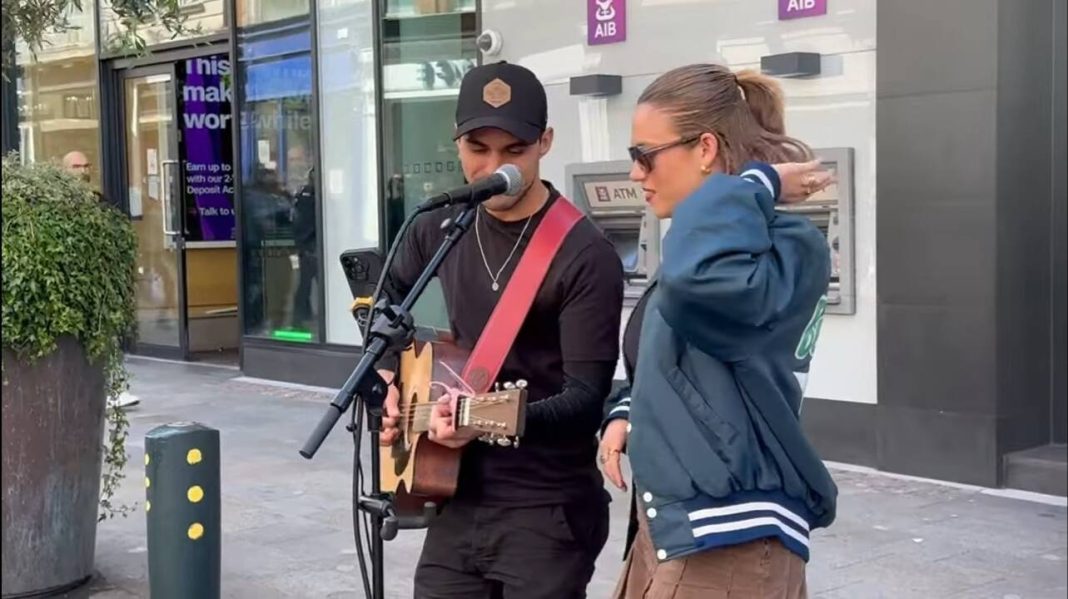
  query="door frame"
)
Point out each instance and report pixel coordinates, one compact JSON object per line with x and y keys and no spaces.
{"x":113,"y":74}
{"x":181,"y":352}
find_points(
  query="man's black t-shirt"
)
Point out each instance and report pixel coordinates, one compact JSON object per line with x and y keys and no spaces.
{"x":566,"y":350}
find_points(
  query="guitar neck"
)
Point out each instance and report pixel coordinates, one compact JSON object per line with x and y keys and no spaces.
{"x":420,"y":417}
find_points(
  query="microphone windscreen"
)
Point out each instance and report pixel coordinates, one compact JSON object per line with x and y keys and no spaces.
{"x":514,"y":177}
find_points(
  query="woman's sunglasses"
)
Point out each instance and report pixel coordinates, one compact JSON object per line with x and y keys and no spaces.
{"x":644,"y":156}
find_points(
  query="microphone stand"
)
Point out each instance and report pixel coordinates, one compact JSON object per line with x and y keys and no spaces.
{"x":393,"y":329}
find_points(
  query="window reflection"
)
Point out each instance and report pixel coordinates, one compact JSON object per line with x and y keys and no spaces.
{"x":427,"y":48}
{"x":280,"y":226}
{"x":255,"y":12}
{"x":58,"y":106}
{"x":348,"y":150}
{"x":203,"y":17}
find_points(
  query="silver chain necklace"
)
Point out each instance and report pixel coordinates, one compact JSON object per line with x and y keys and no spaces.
{"x":489,"y":270}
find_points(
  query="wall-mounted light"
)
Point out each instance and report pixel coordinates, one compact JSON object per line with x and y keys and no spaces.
{"x":596,"y":85}
{"x":791,"y":64}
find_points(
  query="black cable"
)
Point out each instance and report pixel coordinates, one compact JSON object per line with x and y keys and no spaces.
{"x":357,"y":484}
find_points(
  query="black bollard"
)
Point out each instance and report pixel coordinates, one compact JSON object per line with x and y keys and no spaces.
{"x":183,"y":509}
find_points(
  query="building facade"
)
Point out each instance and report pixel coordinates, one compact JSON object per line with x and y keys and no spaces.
{"x":286,"y":132}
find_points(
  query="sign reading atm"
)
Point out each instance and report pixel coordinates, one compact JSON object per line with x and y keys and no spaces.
{"x":614,"y":194}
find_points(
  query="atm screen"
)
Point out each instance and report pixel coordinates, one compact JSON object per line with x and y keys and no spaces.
{"x":626,"y":243}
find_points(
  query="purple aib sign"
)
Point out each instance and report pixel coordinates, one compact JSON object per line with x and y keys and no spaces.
{"x":606,"y":21}
{"x":795,"y":9}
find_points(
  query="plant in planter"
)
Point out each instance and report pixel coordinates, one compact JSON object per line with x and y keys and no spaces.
{"x":68,"y":305}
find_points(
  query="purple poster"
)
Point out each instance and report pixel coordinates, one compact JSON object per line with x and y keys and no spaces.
{"x":208,"y":150}
{"x":795,"y":9}
{"x":606,"y":21}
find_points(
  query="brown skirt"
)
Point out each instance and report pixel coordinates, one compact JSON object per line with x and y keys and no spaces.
{"x":763,"y":569}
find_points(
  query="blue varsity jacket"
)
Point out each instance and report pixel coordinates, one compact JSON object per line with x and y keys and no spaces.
{"x":715,"y":440}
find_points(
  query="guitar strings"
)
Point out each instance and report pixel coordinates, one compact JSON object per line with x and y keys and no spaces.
{"x":425,"y":407}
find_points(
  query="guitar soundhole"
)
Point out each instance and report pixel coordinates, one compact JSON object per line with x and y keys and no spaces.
{"x":400,"y":458}
{"x":402,"y":447}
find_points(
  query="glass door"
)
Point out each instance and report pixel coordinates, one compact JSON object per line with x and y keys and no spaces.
{"x":154,"y":198}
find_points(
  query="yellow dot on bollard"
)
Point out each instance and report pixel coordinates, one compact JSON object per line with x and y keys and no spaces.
{"x":194,"y":456}
{"x":196,"y":530}
{"x":148,"y":483}
{"x":195,"y":494}
{"x":147,"y":459}
{"x":148,"y":506}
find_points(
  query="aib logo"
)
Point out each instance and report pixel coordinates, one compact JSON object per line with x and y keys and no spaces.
{"x":793,"y":9}
{"x":605,"y":11}
{"x":607,"y":21}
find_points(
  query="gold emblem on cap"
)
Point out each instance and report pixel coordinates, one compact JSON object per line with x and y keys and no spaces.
{"x":497,"y":93}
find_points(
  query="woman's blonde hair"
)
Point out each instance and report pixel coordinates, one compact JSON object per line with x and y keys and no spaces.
{"x":744,"y":111}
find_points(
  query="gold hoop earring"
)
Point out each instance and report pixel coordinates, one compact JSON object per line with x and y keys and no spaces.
{"x":705,"y":170}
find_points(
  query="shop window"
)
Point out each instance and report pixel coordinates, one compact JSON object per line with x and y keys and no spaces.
{"x":348,"y":150}
{"x":256,"y":12}
{"x":57,"y":97}
{"x":203,"y":17}
{"x":280,"y":254}
{"x":427,"y":48}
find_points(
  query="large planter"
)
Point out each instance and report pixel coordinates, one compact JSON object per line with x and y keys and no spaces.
{"x":53,"y":427}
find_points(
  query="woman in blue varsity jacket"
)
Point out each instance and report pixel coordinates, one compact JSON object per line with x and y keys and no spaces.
{"x":726,"y":487}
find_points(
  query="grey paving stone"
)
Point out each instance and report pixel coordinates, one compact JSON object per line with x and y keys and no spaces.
{"x":287,"y":522}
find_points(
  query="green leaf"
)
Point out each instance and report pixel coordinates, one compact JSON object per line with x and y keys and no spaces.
{"x":69,"y":269}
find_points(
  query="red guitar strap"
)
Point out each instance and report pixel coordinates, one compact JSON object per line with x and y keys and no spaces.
{"x":485,"y":361}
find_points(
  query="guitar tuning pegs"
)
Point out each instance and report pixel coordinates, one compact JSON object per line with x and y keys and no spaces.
{"x":509,"y":385}
{"x":504,"y":441}
{"x":515,"y":444}
{"x":522,"y":384}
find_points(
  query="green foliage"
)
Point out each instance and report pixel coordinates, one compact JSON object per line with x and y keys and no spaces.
{"x":68,"y":269}
{"x":32,"y":21}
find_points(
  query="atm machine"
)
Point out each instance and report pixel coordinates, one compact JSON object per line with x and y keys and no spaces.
{"x":604,"y":191}
{"x":831,"y":210}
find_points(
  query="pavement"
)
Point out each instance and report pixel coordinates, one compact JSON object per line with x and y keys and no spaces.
{"x":287,"y":521}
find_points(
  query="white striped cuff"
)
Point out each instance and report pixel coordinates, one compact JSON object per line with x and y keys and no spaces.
{"x":756,"y":176}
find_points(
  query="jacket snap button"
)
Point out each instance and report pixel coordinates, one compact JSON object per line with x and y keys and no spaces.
{"x":661,"y":554}
{"x":647,"y":497}
{"x":651,"y":512}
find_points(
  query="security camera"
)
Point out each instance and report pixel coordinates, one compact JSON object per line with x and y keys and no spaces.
{"x":489,"y":42}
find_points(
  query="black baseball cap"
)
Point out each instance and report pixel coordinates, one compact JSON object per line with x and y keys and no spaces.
{"x":503,"y":96}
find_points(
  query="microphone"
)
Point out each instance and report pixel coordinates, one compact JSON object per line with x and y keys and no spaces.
{"x":505,"y":180}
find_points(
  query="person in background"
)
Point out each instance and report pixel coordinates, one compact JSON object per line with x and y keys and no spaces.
{"x":301,"y":188}
{"x":77,"y":164}
{"x":726,"y":487}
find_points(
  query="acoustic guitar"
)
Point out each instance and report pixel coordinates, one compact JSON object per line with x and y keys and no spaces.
{"x":417,"y":469}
